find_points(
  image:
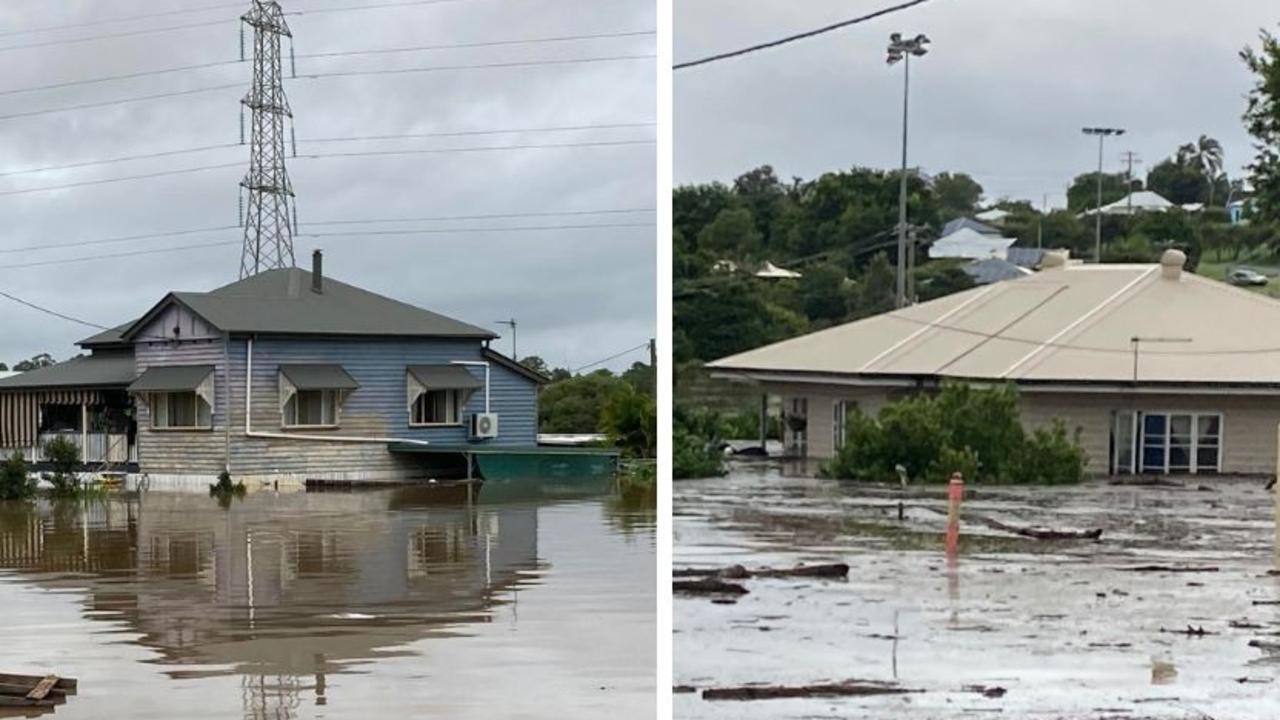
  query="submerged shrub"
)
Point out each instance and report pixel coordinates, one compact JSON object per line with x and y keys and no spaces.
{"x":63,"y":457}
{"x":695,"y":444}
{"x":973,"y":431}
{"x":16,"y":482}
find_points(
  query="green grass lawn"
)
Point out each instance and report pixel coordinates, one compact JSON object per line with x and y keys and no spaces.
{"x":1218,"y":271}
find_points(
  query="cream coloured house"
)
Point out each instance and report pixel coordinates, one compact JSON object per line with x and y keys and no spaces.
{"x":1161,"y":371}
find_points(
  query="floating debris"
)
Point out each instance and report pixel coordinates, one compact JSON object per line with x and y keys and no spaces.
{"x":849,"y":688}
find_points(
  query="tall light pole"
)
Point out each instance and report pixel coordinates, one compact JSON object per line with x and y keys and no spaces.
{"x":901,"y":49}
{"x":1102,"y":134}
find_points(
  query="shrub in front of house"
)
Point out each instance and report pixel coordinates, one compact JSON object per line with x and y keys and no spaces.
{"x":976,"y":432}
{"x":63,"y":457}
{"x":696,"y":444}
{"x":16,"y":482}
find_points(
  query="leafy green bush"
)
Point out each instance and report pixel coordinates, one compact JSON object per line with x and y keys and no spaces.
{"x":16,"y":482}
{"x":63,"y":457}
{"x":630,"y":419}
{"x":696,"y":444}
{"x":977,"y":432}
{"x":638,"y":483}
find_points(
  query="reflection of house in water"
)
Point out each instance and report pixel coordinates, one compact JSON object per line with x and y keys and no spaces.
{"x":283,"y":589}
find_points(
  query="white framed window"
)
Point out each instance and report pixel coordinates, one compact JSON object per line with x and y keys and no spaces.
{"x":1175,"y":442}
{"x":438,"y":407}
{"x":839,"y":422}
{"x":312,"y":408}
{"x":180,"y":411}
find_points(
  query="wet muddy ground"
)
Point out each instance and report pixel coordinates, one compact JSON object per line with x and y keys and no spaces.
{"x":385,"y":603}
{"x":1068,"y":629}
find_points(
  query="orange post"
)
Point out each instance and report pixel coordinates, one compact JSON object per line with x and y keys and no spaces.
{"x":955,"y":493}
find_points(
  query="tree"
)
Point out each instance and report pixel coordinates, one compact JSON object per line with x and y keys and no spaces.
{"x":575,"y":405}
{"x":958,"y":194}
{"x":1179,"y":181}
{"x":536,"y":364}
{"x":1208,"y":156}
{"x":1262,"y":118}
{"x":1083,"y":193}
{"x":732,"y":233}
{"x":878,"y":290}
{"x":35,"y":363}
{"x":630,"y":419}
{"x":822,"y":293}
{"x":3,"y":367}
{"x":723,"y":315}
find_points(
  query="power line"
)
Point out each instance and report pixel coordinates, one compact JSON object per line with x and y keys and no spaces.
{"x":114,"y":240}
{"x":172,"y":28}
{"x":200,"y":246}
{"x":642,"y":346}
{"x":489,"y":216}
{"x":47,"y":311}
{"x":316,"y":76}
{"x":225,"y":146}
{"x":322,"y":55}
{"x":444,"y":231}
{"x":321,"y":156}
{"x":798,"y":36}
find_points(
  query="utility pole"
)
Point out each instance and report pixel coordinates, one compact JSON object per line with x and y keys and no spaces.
{"x":511,"y":324}
{"x":1044,"y":210}
{"x":1102,"y":134}
{"x":653,"y":353}
{"x":271,"y":218}
{"x":1130,"y":158}
{"x":901,"y":49}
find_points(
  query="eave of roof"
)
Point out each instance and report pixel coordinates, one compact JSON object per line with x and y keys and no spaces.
{"x":103,"y":371}
{"x":516,"y":367}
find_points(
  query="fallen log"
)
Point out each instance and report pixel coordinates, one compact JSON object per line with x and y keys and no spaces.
{"x":707,"y":586}
{"x":1169,"y":568}
{"x":991,"y":691}
{"x":1040,"y":533}
{"x":825,"y":690}
{"x":67,"y":685}
{"x":1266,"y":646}
{"x":738,"y":572}
{"x":1190,"y":631}
{"x":1266,"y":602}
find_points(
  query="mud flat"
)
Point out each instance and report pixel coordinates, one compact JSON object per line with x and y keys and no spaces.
{"x":1170,"y":613}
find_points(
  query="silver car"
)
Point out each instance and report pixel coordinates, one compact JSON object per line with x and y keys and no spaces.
{"x":1245,"y":276}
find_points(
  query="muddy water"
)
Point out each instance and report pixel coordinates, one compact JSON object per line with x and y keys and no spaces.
{"x":332,"y":605}
{"x":1059,"y":625}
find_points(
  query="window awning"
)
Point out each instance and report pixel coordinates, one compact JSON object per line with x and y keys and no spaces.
{"x":172,"y":378}
{"x":176,"y":378}
{"x":319,"y":377}
{"x":440,"y":377}
{"x":294,"y":378}
{"x":445,"y":377}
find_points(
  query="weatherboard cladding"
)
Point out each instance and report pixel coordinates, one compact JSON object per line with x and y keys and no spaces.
{"x":379,"y":408}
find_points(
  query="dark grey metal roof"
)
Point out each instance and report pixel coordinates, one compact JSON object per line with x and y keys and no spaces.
{"x":319,"y":377}
{"x":985,"y":272}
{"x":105,"y":370}
{"x":106,"y":338}
{"x":445,"y":377}
{"x":964,"y":222}
{"x":1025,"y":257}
{"x":282,"y":302}
{"x":171,"y":378}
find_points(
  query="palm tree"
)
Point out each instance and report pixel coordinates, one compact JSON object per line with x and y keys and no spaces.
{"x":1209,"y":155}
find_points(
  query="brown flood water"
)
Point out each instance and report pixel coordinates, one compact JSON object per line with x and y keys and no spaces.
{"x":332,"y":605}
{"x":1067,"y":628}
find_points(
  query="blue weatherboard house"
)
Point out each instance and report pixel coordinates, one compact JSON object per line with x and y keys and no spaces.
{"x":283,"y":376}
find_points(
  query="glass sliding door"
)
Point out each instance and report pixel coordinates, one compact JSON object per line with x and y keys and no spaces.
{"x":1181,"y":442}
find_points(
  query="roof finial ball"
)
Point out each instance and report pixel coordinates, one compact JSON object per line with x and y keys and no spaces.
{"x":1171,"y":264}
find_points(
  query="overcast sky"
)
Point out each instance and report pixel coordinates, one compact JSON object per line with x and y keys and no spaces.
{"x":1002,"y":95}
{"x":578,"y":295}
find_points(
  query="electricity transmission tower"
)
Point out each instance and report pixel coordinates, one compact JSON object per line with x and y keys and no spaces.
{"x":271,"y":217}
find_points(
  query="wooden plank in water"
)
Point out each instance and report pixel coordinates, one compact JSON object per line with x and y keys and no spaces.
{"x":43,"y":687}
{"x":21,"y":690}
{"x":17,"y":701}
{"x":67,"y":685}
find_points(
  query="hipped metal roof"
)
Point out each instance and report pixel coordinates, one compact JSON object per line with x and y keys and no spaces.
{"x":171,"y":378}
{"x":113,"y":370}
{"x":319,"y":377}
{"x":1066,"y":324}
{"x":445,"y":377}
{"x":282,"y":302}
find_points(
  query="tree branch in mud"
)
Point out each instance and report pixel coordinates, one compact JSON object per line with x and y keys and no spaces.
{"x":1190,"y":631}
{"x":827,"y":690}
{"x":738,"y":572}
{"x":707,"y":586}
{"x":1170,"y":568}
{"x":1039,"y":533}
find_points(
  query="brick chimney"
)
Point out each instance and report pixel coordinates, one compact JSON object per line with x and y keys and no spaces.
{"x":317,"y":272}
